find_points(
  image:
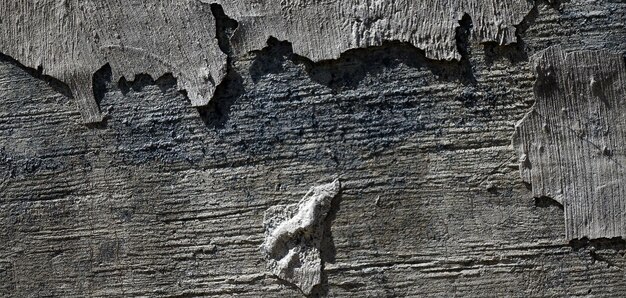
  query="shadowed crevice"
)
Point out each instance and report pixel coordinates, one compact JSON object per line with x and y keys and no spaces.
{"x":217,"y":113}
{"x":519,"y":51}
{"x":102,"y":74}
{"x":164,"y":82}
{"x":225,"y":27}
{"x":605,"y":250}
{"x":101,"y":82}
{"x":616,"y":243}
{"x":57,"y":85}
{"x":462,"y":36}
{"x":353,"y":66}
{"x":516,"y":52}
{"x":328,"y":251}
{"x":546,"y":202}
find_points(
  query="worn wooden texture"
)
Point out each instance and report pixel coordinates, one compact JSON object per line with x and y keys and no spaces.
{"x":72,"y":39}
{"x":166,"y":200}
{"x":572,"y":142}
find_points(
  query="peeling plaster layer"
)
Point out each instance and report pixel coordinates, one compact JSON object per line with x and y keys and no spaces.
{"x":293,"y":235}
{"x":572,"y":144}
{"x":71,"y":39}
{"x":322,"y":30}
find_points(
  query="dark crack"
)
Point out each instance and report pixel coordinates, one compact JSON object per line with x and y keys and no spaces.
{"x":547,"y":202}
{"x":217,"y":113}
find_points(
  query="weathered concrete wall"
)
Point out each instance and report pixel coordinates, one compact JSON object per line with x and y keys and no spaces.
{"x":168,"y":200}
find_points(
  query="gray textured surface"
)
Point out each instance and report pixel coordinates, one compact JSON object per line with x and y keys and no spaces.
{"x":322,"y":30}
{"x":166,"y":200}
{"x":71,"y":40}
{"x":295,"y":234}
{"x":572,"y":143}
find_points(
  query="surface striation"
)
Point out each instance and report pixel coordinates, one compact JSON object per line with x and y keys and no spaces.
{"x":166,"y":200}
{"x":571,"y":144}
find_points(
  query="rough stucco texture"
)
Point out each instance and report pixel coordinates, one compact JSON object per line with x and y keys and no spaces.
{"x":71,"y":39}
{"x":164,"y":199}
